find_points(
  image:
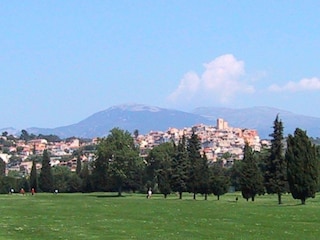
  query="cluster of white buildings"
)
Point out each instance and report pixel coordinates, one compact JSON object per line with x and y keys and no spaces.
{"x":59,"y":152}
{"x":216,"y":141}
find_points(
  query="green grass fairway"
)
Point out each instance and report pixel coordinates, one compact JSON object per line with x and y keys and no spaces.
{"x":104,"y":216}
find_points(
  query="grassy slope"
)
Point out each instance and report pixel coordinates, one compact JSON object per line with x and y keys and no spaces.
{"x":102,"y":216}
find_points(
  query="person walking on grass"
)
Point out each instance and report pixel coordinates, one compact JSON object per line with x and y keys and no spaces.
{"x":22,"y":191}
{"x":149,"y":193}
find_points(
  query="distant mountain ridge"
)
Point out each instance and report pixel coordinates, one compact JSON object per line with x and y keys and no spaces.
{"x":150,"y":118}
{"x":128,"y":117}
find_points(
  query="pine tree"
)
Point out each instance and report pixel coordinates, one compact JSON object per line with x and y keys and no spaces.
{"x":251,"y":182}
{"x":85,"y":177}
{"x":46,"y":179}
{"x":275,"y":167}
{"x":194,"y":157}
{"x":219,"y":182}
{"x":158,"y":167}
{"x":204,"y":183}
{"x":2,"y":168}
{"x":33,"y":177}
{"x":302,"y":166}
{"x":163,"y":176}
{"x":180,"y":168}
{"x":78,"y":168}
{"x":235,"y":174}
{"x":100,"y":167}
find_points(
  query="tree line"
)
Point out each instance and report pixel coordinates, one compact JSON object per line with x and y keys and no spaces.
{"x":290,"y":165}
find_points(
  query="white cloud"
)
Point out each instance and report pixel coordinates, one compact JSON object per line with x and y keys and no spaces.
{"x":221,"y":80}
{"x":188,"y":86}
{"x":305,"y":84}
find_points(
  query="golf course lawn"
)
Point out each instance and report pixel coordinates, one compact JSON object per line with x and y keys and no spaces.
{"x":105,"y":216}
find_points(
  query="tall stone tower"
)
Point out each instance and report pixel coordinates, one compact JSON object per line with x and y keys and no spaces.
{"x":222,"y":124}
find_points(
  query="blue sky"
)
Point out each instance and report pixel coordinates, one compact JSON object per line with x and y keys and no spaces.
{"x":61,"y":61}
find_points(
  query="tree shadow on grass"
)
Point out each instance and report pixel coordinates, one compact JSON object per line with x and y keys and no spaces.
{"x":107,"y":196}
{"x":291,"y":204}
{"x":110,"y":196}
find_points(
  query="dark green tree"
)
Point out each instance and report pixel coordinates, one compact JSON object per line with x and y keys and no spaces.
{"x":24,"y":183}
{"x":204,"y":178}
{"x":158,"y":169}
{"x":180,"y":168}
{"x":2,"y":168}
{"x":33,"y":180}
{"x":235,"y":173}
{"x":136,"y":133}
{"x":164,"y":176}
{"x":302,"y":166}
{"x":275,"y":166}
{"x":251,"y":180}
{"x":100,"y":167}
{"x":61,"y":177}
{"x":86,"y":185}
{"x":49,"y":138}
{"x":78,"y":167}
{"x":45,"y":178}
{"x":74,"y":183}
{"x":7,"y":183}
{"x":194,"y":158}
{"x":24,"y":135}
{"x":135,"y":175}
{"x":119,"y":157}
{"x":153,"y":164}
{"x":219,"y":182}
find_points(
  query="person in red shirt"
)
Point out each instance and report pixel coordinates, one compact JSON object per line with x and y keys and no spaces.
{"x":22,"y":191}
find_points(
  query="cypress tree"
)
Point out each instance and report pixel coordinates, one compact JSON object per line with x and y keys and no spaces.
{"x":33,"y":181}
{"x":78,"y":168}
{"x":235,"y":174}
{"x":302,"y":166}
{"x":204,"y":184}
{"x":219,"y":181}
{"x":85,"y":177}
{"x":2,"y":168}
{"x":275,"y":167}
{"x":46,"y":179}
{"x":251,"y":182}
{"x":159,"y":166}
{"x":163,"y":176}
{"x":180,"y":168}
{"x":194,"y":157}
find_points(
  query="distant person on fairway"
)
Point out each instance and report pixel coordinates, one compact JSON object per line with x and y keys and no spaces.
{"x":22,"y":191}
{"x":32,"y":191}
{"x":149,"y":193}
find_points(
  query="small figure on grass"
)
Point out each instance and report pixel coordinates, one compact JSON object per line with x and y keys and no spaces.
{"x":32,"y":191}
{"x":149,"y":193}
{"x":22,"y":191}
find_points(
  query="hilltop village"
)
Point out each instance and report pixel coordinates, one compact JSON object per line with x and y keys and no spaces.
{"x":216,"y":142}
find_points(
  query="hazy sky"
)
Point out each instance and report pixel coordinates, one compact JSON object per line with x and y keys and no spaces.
{"x":61,"y":61}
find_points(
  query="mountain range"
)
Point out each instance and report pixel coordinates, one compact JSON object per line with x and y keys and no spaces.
{"x":150,"y":118}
